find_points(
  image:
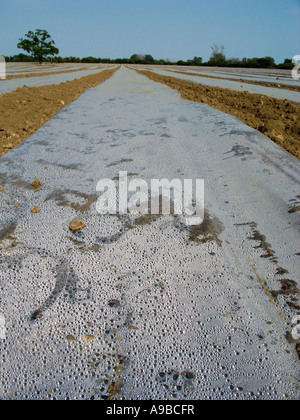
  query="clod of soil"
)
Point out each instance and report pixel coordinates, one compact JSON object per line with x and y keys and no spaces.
{"x":37,"y":183}
{"x":77,"y":225}
{"x":35,"y":210}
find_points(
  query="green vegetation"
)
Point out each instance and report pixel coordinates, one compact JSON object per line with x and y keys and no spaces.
{"x":265,"y":62}
{"x":38,"y":44}
{"x":218,"y":57}
{"x":287,"y":65}
{"x":41,"y":47}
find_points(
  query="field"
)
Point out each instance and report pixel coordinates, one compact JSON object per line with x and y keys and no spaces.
{"x":143,"y":306}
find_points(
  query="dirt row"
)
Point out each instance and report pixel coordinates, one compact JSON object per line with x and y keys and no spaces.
{"x":279,"y":120}
{"x":25,"y":110}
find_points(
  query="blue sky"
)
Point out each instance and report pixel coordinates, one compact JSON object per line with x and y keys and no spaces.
{"x":174,"y":29}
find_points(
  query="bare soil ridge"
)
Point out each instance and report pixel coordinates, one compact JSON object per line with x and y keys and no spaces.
{"x":25,"y":110}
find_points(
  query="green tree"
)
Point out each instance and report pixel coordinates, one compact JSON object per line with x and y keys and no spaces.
{"x":218,"y":55}
{"x":90,"y":60}
{"x":288,"y":64}
{"x":137,"y":59}
{"x":266,"y":62}
{"x":148,"y":59}
{"x":197,"y":61}
{"x":38,"y":44}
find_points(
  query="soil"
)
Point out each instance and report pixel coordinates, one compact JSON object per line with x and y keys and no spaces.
{"x":249,"y":82}
{"x":25,"y":110}
{"x":277,"y":119}
{"x":77,"y":225}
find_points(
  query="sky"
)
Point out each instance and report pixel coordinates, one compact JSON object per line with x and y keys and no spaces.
{"x":173,"y":29}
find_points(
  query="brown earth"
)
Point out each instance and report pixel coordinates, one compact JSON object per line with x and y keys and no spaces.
{"x":279,"y":120}
{"x":249,"y":82}
{"x":28,"y":75}
{"x":25,"y":110}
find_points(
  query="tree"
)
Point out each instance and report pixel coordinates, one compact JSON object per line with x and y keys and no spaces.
{"x":266,"y":62}
{"x":90,"y":60}
{"x":181,"y":63}
{"x":288,"y":64}
{"x":39,"y":44}
{"x":149,"y":59}
{"x":197,"y":61}
{"x":23,"y":58}
{"x":137,"y":59}
{"x":218,"y":55}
